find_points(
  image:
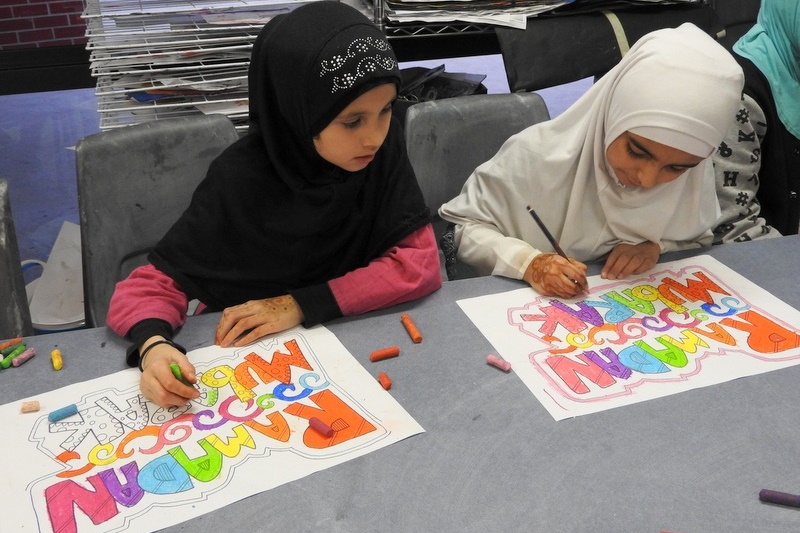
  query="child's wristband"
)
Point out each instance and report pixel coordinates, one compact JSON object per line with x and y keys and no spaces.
{"x":161,"y":341}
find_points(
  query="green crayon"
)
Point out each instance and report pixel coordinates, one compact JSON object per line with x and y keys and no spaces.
{"x":11,"y":348}
{"x":6,"y":362}
{"x":176,"y":371}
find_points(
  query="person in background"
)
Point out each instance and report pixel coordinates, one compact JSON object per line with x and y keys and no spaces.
{"x":624,"y":174}
{"x":313,"y":215}
{"x":737,"y":164}
{"x":769,"y":164}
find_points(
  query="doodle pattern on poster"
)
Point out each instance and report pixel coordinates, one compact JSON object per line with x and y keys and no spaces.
{"x":687,"y":324}
{"x":123,"y":463}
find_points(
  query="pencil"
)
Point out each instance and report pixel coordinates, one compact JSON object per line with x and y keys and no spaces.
{"x":553,"y":243}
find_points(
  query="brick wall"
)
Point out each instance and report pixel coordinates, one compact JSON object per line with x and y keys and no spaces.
{"x":41,"y":23}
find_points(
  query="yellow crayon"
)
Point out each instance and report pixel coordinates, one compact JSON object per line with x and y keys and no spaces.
{"x":55,"y":356}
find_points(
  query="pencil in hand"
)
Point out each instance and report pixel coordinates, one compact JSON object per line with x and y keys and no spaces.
{"x":583,"y":284}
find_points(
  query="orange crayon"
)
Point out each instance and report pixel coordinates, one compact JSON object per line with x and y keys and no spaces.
{"x":385,"y":353}
{"x":411,"y":328}
{"x":9,"y":343}
{"x":384,"y":380}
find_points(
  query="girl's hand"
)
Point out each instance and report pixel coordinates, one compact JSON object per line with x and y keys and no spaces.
{"x":260,"y":317}
{"x":626,"y":259}
{"x":552,"y":275}
{"x":158,"y":383}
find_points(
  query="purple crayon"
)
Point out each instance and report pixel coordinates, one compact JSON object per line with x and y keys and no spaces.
{"x":781,"y":498}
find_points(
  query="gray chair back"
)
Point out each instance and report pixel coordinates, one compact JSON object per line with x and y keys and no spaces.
{"x":447,"y":139}
{"x":133,"y":184}
{"x":15,"y":316}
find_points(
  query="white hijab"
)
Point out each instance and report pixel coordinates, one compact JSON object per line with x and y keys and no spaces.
{"x":677,"y":87}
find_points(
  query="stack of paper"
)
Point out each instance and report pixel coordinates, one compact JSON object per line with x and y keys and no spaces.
{"x":511,"y":13}
{"x":163,"y":58}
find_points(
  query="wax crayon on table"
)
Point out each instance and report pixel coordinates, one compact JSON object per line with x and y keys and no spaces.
{"x":411,"y":328}
{"x":781,"y":498}
{"x":9,"y":358}
{"x":64,"y":412}
{"x":29,"y":407}
{"x":10,"y":348}
{"x":324,"y":429}
{"x":384,"y":353}
{"x":498,"y":362}
{"x":384,"y":380}
{"x":56,"y":359}
{"x":24,"y":356}
{"x":10,"y":342}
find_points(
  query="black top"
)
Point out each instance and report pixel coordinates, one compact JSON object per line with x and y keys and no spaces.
{"x":272,"y":217}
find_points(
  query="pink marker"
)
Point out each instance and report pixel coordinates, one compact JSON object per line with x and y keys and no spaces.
{"x":320,"y":426}
{"x":500,"y":363}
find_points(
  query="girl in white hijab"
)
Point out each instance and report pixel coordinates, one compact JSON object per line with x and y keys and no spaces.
{"x":624,"y":172}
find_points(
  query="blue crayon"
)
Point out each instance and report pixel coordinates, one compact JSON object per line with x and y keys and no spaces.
{"x":64,"y":412}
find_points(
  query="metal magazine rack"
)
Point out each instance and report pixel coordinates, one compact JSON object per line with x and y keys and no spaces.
{"x":155,"y":59}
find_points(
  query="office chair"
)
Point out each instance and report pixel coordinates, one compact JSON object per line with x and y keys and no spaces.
{"x":15,"y":316}
{"x":447,"y":139}
{"x":133,"y":184}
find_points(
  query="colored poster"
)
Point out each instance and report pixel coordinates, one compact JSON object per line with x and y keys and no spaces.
{"x":684,"y":325}
{"x":124,"y":464}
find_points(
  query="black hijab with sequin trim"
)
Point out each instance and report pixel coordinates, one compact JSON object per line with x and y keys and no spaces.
{"x":272,"y":215}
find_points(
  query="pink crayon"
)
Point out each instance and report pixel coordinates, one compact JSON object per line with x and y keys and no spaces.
{"x":323,"y":428}
{"x":24,"y":356}
{"x":502,"y":364}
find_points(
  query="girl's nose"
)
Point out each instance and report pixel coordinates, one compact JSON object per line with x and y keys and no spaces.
{"x":647,"y":176}
{"x":372,"y":138}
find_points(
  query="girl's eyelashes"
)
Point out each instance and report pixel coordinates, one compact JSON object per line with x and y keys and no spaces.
{"x":677,"y":170}
{"x":354,"y":123}
{"x":633,"y":154}
{"x":672,"y":169}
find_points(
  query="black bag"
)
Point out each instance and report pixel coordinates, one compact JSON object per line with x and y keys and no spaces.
{"x":420,"y":84}
{"x":554,"y":50}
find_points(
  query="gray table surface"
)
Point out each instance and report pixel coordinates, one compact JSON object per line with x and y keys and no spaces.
{"x":492,"y":459}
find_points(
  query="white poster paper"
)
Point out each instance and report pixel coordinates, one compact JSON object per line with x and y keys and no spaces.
{"x":124,"y":464}
{"x":684,"y":325}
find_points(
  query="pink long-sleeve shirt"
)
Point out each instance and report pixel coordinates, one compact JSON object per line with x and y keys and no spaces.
{"x":407,"y":271}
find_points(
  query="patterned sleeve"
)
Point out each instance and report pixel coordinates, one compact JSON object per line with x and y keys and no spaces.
{"x":736,"y":165}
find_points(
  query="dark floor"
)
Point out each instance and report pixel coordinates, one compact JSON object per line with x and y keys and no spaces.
{"x":39,"y":130}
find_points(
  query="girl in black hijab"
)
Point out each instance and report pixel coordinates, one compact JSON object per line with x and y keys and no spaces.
{"x":313,"y":215}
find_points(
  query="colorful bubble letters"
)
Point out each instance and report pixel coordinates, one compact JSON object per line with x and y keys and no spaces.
{"x":687,"y":324}
{"x":123,"y":463}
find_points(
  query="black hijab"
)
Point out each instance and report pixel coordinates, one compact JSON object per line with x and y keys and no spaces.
{"x":272,"y":215}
